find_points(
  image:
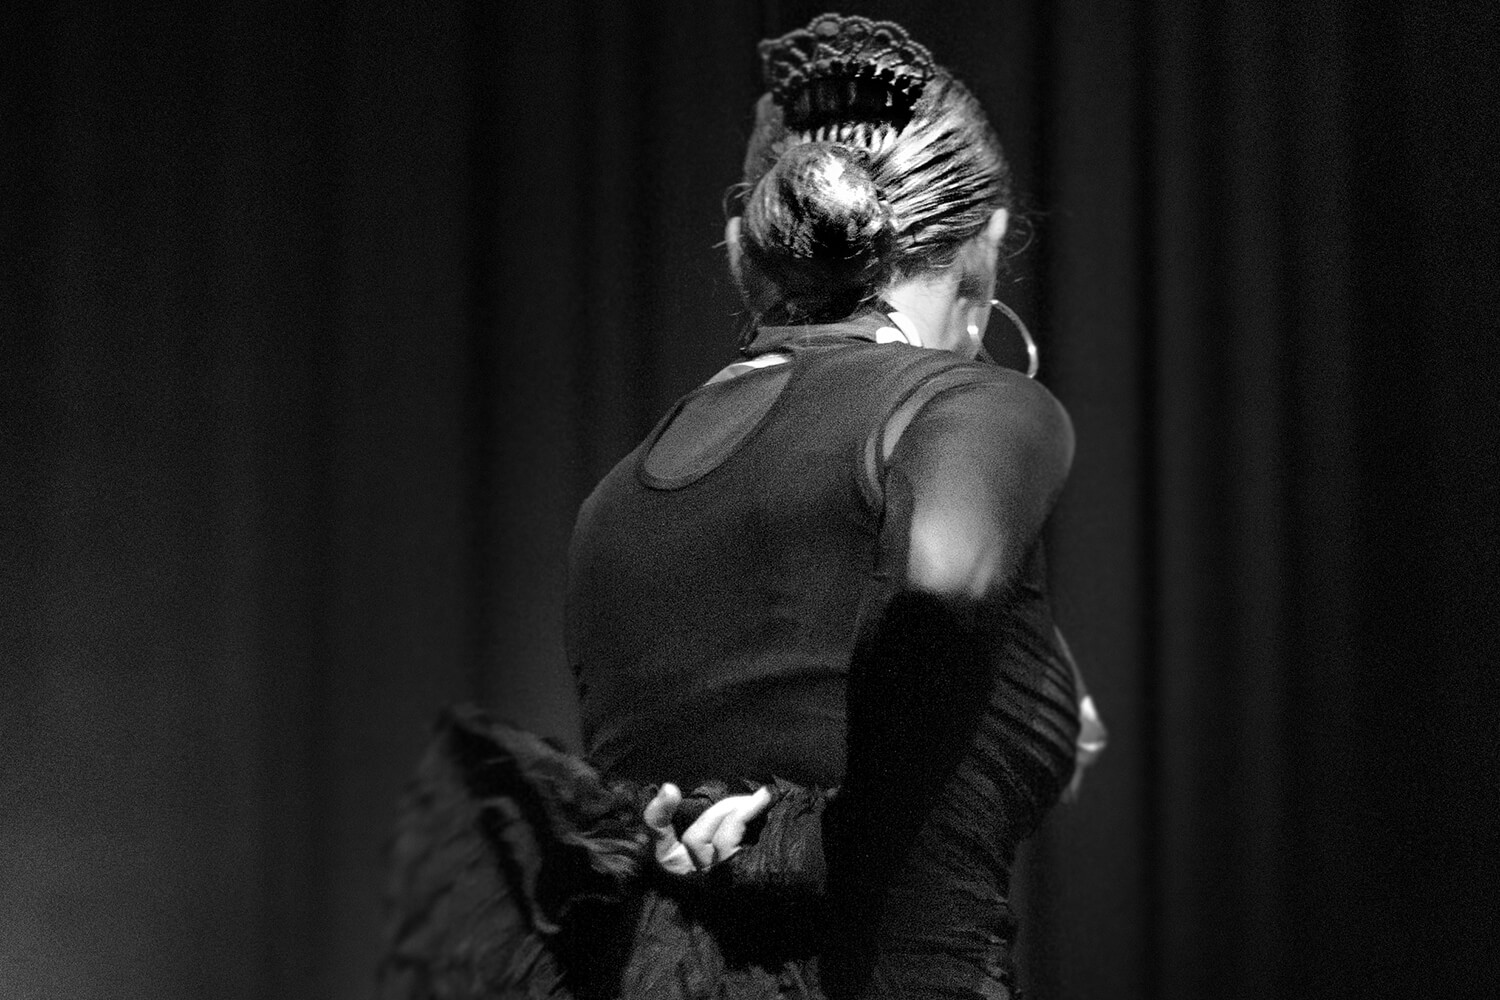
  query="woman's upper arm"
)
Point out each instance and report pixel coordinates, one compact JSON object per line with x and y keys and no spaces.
{"x":980,"y":464}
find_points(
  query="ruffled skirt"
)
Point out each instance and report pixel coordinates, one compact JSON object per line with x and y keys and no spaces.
{"x":516,"y":871}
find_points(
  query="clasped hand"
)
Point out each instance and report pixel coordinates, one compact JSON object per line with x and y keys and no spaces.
{"x":711,"y":838}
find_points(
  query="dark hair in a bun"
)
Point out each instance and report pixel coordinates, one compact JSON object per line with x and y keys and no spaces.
{"x":923,"y":165}
{"x":816,"y":227}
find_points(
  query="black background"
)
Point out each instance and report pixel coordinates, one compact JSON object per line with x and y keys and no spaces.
{"x":317,"y":323}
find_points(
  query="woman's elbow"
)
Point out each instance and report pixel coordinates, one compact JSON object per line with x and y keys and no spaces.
{"x":944,"y":560}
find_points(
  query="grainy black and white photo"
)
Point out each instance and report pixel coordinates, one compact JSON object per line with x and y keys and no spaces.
{"x":739,"y":500}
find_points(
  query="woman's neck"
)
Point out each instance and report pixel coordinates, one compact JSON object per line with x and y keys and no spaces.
{"x":931,"y":303}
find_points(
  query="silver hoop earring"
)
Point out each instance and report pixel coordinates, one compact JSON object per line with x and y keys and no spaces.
{"x":1033,"y":360}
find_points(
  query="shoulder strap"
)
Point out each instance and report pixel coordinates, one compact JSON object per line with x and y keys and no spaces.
{"x":913,"y":386}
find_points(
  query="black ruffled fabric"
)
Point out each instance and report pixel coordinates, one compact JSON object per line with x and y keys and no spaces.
{"x":518,"y":872}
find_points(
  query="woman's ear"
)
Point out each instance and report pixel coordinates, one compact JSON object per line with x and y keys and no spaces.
{"x":994,"y":230}
{"x":757,"y":292}
{"x":736,"y":253}
{"x":978,"y":263}
{"x":979,"y":259}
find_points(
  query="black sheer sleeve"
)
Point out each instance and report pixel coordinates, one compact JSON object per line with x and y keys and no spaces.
{"x":967,"y":487}
{"x":970,"y":479}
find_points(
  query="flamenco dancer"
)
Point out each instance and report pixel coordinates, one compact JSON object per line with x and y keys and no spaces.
{"x":814,"y":595}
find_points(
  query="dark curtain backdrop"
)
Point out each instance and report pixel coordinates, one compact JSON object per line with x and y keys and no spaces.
{"x":317,"y":324}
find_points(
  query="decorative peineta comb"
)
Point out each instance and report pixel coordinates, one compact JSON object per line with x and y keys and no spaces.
{"x":835,"y":48}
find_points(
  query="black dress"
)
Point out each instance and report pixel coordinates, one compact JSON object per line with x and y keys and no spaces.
{"x":742,"y":612}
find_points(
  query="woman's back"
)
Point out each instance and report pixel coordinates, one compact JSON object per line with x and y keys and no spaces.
{"x":712,"y":611}
{"x":742,"y":608}
{"x":724,"y":595}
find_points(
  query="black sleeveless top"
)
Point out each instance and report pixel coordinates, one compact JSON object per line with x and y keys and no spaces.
{"x":740,"y":606}
{"x":824,"y":572}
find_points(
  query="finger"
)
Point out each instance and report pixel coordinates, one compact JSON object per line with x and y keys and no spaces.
{"x":660,"y":810}
{"x":671,"y":855}
{"x":759,"y":802}
{"x":699,"y":838}
{"x":747,"y":807}
{"x":730,"y":835}
{"x":1070,"y":794}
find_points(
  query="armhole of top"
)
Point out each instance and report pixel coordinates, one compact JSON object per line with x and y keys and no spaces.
{"x":711,"y":424}
{"x":881,"y":443}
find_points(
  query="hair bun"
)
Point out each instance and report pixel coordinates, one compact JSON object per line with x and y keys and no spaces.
{"x":816,"y":227}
